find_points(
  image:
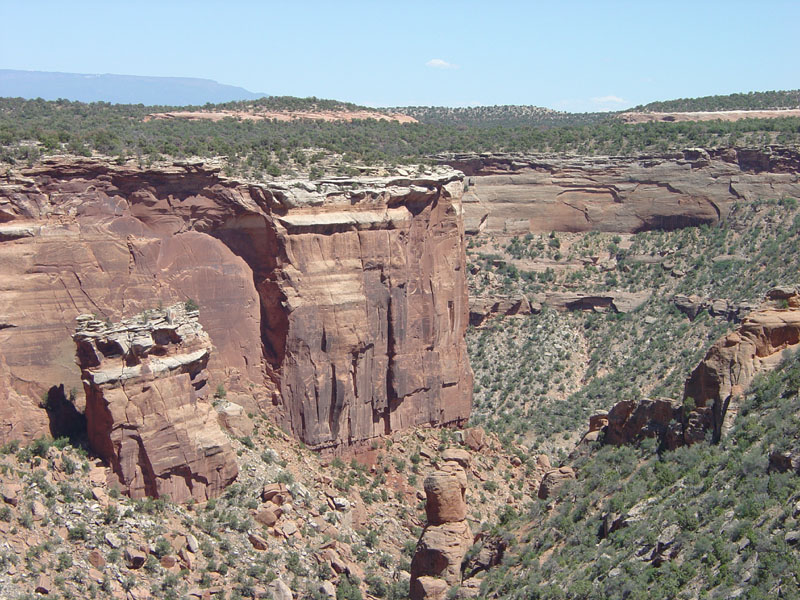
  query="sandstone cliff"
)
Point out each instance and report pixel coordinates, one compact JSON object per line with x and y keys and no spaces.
{"x":521,"y":193}
{"x":148,"y":410}
{"x":713,"y":391}
{"x":339,"y":306}
{"x":730,"y":365}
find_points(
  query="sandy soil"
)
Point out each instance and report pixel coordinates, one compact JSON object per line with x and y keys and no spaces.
{"x":724,"y":115}
{"x":323,"y":115}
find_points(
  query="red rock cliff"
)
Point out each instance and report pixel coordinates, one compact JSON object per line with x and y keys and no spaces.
{"x":340,"y":306}
{"x":148,"y":408}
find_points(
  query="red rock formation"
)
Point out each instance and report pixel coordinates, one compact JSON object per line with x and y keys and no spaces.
{"x":714,"y":389}
{"x":146,"y":408}
{"x":553,"y":480}
{"x":730,"y":365}
{"x":483,"y":308}
{"x":344,"y":301}
{"x":522,"y":193}
{"x":445,"y":541}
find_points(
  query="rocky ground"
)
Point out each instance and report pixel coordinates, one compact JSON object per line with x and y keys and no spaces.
{"x":292,"y":521}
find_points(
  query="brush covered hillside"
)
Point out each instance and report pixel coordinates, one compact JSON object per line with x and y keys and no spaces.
{"x":705,"y":521}
{"x":493,"y":116}
{"x":611,"y":270}
{"x":541,"y":376}
{"x":749,"y":101}
{"x":262,"y":149}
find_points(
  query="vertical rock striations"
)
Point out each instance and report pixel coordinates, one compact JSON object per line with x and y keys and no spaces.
{"x":146,"y":407}
{"x":340,"y":305}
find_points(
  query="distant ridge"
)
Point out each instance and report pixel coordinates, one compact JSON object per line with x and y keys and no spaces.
{"x":770,"y":100}
{"x":119,"y":89}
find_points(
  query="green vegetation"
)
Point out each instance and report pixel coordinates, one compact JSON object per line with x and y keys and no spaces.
{"x":493,"y":116}
{"x":707,"y":521}
{"x":747,"y":101}
{"x":540,"y":376}
{"x":260,"y":149}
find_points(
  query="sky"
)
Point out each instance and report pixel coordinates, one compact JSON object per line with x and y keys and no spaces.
{"x":575,"y":56}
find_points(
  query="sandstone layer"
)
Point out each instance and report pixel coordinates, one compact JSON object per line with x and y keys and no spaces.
{"x":516,"y":194}
{"x":147,"y":408}
{"x":436,"y":565}
{"x":338,"y":306}
{"x":730,"y":365}
{"x":717,"y":115}
{"x":713,"y":391}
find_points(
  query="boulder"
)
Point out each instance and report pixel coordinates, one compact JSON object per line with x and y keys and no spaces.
{"x":445,"y":493}
{"x":631,"y":421}
{"x":233,"y":418}
{"x":428,"y":588}
{"x":440,"y":551}
{"x":268,"y":516}
{"x":458,"y":455}
{"x":553,"y":480}
{"x":258,"y":542}
{"x":135,"y":559}
{"x":277,"y":493}
{"x":475,"y":438}
{"x":95,"y":558}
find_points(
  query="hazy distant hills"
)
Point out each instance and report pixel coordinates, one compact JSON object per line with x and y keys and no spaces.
{"x":119,"y":89}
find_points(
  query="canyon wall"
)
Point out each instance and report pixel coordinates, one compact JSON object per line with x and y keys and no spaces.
{"x":337,"y":307}
{"x":511,"y":193}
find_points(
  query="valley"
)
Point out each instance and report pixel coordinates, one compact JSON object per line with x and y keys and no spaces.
{"x":359,"y":359}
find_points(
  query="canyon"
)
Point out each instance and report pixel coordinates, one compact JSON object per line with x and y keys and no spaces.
{"x":338,"y":308}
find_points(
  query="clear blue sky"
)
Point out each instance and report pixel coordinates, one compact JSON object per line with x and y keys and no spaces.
{"x":573,"y":56}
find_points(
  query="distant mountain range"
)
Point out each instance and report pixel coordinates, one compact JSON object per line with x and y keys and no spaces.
{"x":119,"y":89}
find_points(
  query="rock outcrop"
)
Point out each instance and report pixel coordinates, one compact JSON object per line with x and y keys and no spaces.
{"x":515,"y":193}
{"x":553,"y":480}
{"x":484,"y":307}
{"x":693,"y":305}
{"x":436,"y":565}
{"x":147,"y":407}
{"x":730,"y":365}
{"x":621,"y":302}
{"x":714,"y":389}
{"x":339,"y":306}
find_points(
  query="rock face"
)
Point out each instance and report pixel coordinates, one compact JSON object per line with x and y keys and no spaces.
{"x":713,"y":390}
{"x":342,"y":301}
{"x":730,"y":365}
{"x":436,"y":565}
{"x":631,"y":421}
{"x":693,"y":305}
{"x":147,"y":412}
{"x":483,"y":308}
{"x":553,"y":480}
{"x":621,"y":302}
{"x":521,"y":193}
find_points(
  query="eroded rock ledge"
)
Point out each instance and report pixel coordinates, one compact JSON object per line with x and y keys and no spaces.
{"x":714,"y":390}
{"x":519,"y":193}
{"x":339,"y":306}
{"x":148,"y":410}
